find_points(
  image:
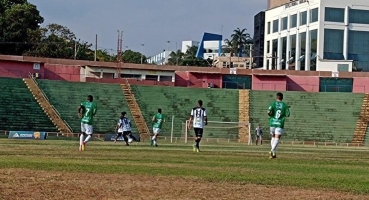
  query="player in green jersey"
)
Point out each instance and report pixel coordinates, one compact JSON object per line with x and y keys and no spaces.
{"x":158,"y":119}
{"x":277,"y":111}
{"x":86,"y":111}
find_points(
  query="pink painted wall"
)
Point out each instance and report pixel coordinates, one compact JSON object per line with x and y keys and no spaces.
{"x":198,"y":80}
{"x":62,"y":72}
{"x":303,"y":83}
{"x":131,"y":81}
{"x":271,"y":83}
{"x":18,"y":69}
{"x":361,"y":85}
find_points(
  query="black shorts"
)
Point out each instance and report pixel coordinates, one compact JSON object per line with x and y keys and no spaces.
{"x":125,"y":133}
{"x":198,"y":132}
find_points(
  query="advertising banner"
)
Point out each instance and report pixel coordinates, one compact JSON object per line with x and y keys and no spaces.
{"x":27,"y":135}
{"x":111,"y":137}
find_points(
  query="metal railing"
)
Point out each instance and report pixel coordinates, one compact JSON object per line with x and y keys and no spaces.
{"x":45,"y":96}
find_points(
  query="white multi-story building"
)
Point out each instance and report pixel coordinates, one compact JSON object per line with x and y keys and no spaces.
{"x":211,"y":48}
{"x":321,"y":35}
{"x":159,"y":59}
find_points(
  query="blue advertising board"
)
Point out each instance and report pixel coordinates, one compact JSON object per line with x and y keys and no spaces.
{"x":27,"y":135}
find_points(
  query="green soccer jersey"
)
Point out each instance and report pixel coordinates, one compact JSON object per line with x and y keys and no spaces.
{"x":158,"y":120}
{"x":279,"y":111}
{"x":88,"y":112}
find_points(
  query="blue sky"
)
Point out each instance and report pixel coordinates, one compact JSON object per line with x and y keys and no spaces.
{"x":149,"y":22}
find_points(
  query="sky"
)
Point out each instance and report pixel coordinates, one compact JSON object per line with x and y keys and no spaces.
{"x":149,"y":22}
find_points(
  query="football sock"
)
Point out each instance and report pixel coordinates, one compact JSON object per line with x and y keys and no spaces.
{"x":87,"y":138}
{"x":275,"y":144}
{"x":125,"y":139}
{"x":81,"y":138}
{"x":197,"y":143}
{"x":271,"y":141}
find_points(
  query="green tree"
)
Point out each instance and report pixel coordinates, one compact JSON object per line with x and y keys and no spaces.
{"x":239,"y":41}
{"x":18,"y":22}
{"x":130,"y":56}
{"x":175,"y":57}
{"x":104,"y":56}
{"x":57,"y":41}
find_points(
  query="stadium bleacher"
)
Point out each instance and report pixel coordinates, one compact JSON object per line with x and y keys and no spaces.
{"x":221,"y":105}
{"x":19,"y":110}
{"x":67,"y":96}
{"x":319,"y":117}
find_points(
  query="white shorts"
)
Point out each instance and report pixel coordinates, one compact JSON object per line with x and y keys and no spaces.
{"x":86,"y":128}
{"x":276,"y":131}
{"x":156,"y":130}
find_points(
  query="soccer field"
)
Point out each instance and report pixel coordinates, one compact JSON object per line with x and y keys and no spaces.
{"x":57,"y":170}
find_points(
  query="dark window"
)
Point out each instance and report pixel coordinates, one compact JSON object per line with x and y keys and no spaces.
{"x":314,"y":14}
{"x":333,"y":44}
{"x":334,"y":14}
{"x":303,"y":18}
{"x":275,"y":26}
{"x":284,"y":23}
{"x":359,"y":16}
{"x":293,"y":21}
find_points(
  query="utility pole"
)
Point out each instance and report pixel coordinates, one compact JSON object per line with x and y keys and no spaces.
{"x":119,"y":52}
{"x":95,"y":47}
{"x":168,"y":42}
{"x":142,"y":52}
{"x":75,"y":50}
{"x":250,"y":60}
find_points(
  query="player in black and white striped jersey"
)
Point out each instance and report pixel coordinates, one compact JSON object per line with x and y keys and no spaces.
{"x":123,"y":128}
{"x":199,"y":119}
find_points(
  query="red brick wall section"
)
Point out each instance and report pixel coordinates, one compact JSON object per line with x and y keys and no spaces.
{"x":16,"y":69}
{"x":62,"y":72}
{"x":303,"y":83}
{"x":361,"y":85}
{"x":271,"y":83}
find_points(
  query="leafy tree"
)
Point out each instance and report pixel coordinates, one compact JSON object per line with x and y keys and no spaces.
{"x":191,"y":52}
{"x":175,"y":57}
{"x":130,"y":56}
{"x":18,"y":22}
{"x":238,"y":42}
{"x":57,"y":41}
{"x":104,"y":56}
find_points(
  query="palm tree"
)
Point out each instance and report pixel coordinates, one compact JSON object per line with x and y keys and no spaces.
{"x":230,"y":46}
{"x":240,"y":38}
{"x":191,"y":52}
{"x":175,"y":57}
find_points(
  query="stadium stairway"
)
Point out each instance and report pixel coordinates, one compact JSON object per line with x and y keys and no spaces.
{"x":136,"y":111}
{"x":244,"y":114}
{"x":46,"y":106}
{"x":67,"y":96}
{"x":362,"y":123}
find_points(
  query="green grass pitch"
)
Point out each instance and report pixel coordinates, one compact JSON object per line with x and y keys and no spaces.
{"x":333,"y":168}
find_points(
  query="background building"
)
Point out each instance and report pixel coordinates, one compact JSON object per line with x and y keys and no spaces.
{"x":159,"y":59}
{"x":258,"y":49}
{"x":321,"y":35}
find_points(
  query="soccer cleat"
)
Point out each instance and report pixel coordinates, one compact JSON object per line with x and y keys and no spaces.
{"x":156,"y":145}
{"x":83,"y":146}
{"x":274,"y":155}
{"x":197,"y":150}
{"x":271,"y":155}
